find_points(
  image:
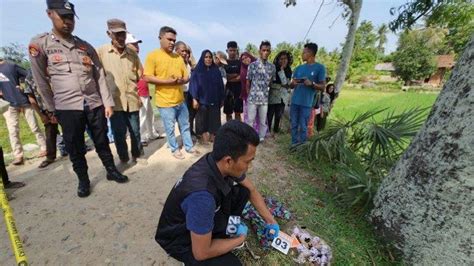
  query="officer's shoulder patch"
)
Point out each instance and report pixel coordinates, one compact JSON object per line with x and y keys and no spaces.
{"x":34,"y":49}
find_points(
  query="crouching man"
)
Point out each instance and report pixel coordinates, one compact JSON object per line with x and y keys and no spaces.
{"x":192,"y":226}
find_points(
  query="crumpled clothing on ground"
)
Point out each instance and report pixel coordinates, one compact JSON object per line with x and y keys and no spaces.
{"x":277,"y":209}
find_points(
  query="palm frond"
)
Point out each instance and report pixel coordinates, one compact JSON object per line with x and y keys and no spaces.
{"x":388,"y":138}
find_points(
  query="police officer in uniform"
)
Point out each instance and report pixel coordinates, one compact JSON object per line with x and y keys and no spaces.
{"x":71,"y":81}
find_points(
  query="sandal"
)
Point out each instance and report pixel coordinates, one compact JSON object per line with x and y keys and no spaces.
{"x":178,"y":155}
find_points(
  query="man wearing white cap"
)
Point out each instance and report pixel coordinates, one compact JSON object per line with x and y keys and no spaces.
{"x":147,"y":118}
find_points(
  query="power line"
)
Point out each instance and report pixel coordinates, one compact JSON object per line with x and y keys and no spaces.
{"x":314,"y":19}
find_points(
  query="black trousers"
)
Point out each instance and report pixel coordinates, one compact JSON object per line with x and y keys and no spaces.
{"x":192,"y":112}
{"x":74,"y":123}
{"x":3,"y":169}
{"x":235,"y":206}
{"x":51,"y":133}
{"x":321,"y":121}
{"x":277,"y":111}
{"x":208,"y":119}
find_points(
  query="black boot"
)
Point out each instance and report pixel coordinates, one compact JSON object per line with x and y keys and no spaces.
{"x":84,"y":188}
{"x":114,"y":175}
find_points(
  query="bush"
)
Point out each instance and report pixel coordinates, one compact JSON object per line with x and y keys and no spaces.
{"x":365,"y":149}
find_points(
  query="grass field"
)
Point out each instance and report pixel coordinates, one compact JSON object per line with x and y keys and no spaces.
{"x":355,"y":101}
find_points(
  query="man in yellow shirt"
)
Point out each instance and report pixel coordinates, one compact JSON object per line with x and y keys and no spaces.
{"x":168,"y":72}
{"x":123,"y":70}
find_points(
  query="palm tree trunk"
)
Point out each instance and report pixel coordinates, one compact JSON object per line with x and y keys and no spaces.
{"x":355,"y":7}
{"x":425,"y":206}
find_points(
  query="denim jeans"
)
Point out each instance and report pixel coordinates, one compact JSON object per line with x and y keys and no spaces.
{"x":120,"y":121}
{"x":299,"y":117}
{"x":172,"y":114}
{"x":262,"y":110}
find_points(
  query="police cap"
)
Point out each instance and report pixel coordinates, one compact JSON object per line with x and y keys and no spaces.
{"x":63,"y":7}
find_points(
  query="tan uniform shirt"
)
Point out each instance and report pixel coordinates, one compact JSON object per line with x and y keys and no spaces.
{"x":122,"y":72}
{"x":68,"y":74}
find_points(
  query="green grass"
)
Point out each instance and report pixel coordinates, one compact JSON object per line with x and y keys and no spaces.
{"x":313,"y":202}
{"x":353,"y":101}
{"x":26,"y":135}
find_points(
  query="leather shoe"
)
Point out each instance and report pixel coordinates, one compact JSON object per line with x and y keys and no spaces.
{"x":45,"y":163}
{"x":83,"y":190}
{"x":115,"y":175}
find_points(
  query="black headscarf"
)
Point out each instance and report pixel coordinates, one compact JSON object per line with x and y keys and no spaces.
{"x":206,"y":83}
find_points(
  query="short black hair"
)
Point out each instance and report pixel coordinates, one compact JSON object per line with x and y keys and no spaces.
{"x":312,"y":46}
{"x":166,"y":29}
{"x":232,"y":44}
{"x":265,"y":43}
{"x":232,"y":139}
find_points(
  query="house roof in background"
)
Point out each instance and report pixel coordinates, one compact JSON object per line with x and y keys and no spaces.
{"x":446,"y":61}
{"x":442,"y":61}
{"x":385,"y":67}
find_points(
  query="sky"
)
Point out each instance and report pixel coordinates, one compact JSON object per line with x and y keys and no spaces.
{"x":203,"y":24}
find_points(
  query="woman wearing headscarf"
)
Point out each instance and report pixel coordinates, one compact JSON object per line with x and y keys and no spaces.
{"x":245,"y":59}
{"x":278,"y":95}
{"x":207,"y":89}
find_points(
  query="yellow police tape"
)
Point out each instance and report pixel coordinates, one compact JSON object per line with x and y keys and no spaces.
{"x":17,"y":245}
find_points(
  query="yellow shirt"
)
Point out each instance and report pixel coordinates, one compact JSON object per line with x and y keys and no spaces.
{"x":162,"y":65}
{"x":122,"y":72}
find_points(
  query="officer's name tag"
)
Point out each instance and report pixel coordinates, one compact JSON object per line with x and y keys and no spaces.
{"x":232,"y":225}
{"x":282,"y":243}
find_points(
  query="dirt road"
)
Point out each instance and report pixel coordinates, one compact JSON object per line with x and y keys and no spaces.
{"x":115,"y":225}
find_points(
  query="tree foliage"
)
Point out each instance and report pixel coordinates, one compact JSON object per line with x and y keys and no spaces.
{"x":252,"y":49}
{"x":365,"y":53}
{"x":382,"y":31}
{"x":455,"y":16}
{"x":415,"y":55}
{"x":15,"y":53}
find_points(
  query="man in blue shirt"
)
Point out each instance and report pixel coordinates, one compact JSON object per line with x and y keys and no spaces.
{"x":193,"y":223}
{"x":307,"y":79}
